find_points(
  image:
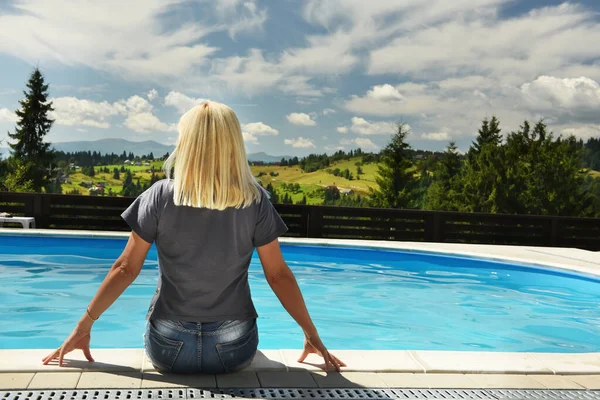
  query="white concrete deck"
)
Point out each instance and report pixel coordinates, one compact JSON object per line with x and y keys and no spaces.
{"x":129,"y":368}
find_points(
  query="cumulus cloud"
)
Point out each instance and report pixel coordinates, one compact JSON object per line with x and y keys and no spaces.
{"x":582,"y":131}
{"x":7,"y":115}
{"x":385,"y":92}
{"x":366,"y":144}
{"x":342,"y":129}
{"x":182,"y":102}
{"x":328,"y":111}
{"x":300,"y":142}
{"x":566,"y":93}
{"x":300,"y":119}
{"x":152,"y":94}
{"x":252,"y":130}
{"x":363,"y":143}
{"x":436,"y":136}
{"x":145,"y":122}
{"x":364,"y":127}
{"x":72,"y":111}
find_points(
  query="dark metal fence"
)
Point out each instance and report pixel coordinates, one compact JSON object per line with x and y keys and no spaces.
{"x":103,"y":213}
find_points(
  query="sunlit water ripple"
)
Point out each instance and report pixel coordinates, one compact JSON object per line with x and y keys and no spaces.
{"x":359,"y":299}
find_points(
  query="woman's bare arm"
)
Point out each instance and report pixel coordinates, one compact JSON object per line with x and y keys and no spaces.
{"x":284,"y":284}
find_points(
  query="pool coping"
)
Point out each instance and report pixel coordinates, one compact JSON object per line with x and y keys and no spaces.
{"x":402,"y":362}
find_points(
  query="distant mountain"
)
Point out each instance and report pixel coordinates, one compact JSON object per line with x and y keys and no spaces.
{"x":264,"y":157}
{"x":117,"y":146}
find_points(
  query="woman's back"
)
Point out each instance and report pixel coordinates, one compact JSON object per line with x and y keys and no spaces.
{"x":203,"y":254}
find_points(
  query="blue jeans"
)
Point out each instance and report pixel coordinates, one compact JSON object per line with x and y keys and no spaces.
{"x":209,"y":347}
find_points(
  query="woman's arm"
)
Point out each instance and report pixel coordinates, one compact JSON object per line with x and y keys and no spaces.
{"x":284,"y":285}
{"x":123,"y":272}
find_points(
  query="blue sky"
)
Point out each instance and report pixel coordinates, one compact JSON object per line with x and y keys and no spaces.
{"x":306,"y":76}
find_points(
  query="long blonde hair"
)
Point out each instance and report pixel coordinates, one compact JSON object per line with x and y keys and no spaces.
{"x":209,"y":161}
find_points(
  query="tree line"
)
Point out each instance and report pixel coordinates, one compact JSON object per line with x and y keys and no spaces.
{"x":527,"y":171}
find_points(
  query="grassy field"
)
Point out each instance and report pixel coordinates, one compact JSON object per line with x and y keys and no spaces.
{"x":138,"y":172}
{"x":310,"y":182}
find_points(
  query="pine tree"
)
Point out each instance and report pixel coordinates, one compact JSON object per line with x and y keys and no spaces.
{"x":32,"y":157}
{"x":396,"y":183}
{"x":444,"y":190}
{"x":484,"y":179}
{"x":489,"y":133}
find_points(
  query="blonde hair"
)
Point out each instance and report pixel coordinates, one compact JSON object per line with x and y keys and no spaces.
{"x":209,"y":161}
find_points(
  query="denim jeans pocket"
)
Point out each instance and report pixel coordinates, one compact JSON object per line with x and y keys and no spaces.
{"x":161,"y":350}
{"x":238,"y":354}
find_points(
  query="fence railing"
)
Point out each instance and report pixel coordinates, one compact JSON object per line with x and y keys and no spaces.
{"x":103,"y":213}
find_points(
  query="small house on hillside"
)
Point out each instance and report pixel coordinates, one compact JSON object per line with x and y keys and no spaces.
{"x":127,"y":162}
{"x":346,"y":192}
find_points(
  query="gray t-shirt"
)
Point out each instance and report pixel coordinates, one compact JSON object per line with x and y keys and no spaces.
{"x":203,"y":254}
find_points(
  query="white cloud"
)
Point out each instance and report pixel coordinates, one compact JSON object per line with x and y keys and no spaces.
{"x":551,"y":92}
{"x":251,"y":130}
{"x":582,"y":131}
{"x":300,"y":119}
{"x":473,"y":42}
{"x":384,"y":93}
{"x":95,"y":124}
{"x":182,"y":102}
{"x":259,"y":128}
{"x":145,"y":122}
{"x":328,"y":111}
{"x":7,"y":115}
{"x":72,"y":111}
{"x":366,"y":144}
{"x":436,"y":136}
{"x":364,"y":127}
{"x":249,"y":138}
{"x":250,"y":18}
{"x":300,"y":142}
{"x":152,"y":94}
{"x":342,"y":129}
{"x":363,"y":143}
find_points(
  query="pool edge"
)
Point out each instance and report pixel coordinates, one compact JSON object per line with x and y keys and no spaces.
{"x":556,"y":258}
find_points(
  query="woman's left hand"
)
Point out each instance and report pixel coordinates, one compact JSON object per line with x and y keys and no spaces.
{"x":78,"y":340}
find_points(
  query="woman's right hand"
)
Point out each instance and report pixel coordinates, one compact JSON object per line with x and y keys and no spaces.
{"x":314,"y":345}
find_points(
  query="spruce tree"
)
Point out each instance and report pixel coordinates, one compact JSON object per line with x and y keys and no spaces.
{"x":32,"y":157}
{"x":396,"y":183}
{"x":489,"y":133}
{"x":445,"y":189}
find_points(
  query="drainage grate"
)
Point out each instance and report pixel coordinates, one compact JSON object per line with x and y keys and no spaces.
{"x":316,"y":394}
{"x":545,"y":394}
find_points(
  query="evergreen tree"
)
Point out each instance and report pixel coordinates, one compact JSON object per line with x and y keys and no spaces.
{"x":29,"y":148}
{"x":544,"y":175}
{"x":489,"y":133}
{"x":484,"y":176}
{"x":116,"y":174}
{"x":396,"y":183}
{"x":302,"y":201}
{"x":444,"y":191}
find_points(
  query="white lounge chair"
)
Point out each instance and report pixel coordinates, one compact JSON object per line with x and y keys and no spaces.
{"x":26,"y":222}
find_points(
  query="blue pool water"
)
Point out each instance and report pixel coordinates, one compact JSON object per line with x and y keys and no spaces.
{"x":359,"y":299}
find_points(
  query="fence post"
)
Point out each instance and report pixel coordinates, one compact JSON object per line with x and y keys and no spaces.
{"x":315,"y":222}
{"x":40,"y":210}
{"x":433,"y":227}
{"x":554,"y":232}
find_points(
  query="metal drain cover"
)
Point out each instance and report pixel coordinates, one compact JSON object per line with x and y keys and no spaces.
{"x":288,"y":393}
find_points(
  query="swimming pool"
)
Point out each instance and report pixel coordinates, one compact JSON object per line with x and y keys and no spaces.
{"x":359,"y":298}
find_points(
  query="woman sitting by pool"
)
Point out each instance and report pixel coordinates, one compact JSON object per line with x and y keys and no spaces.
{"x":206,"y":223}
